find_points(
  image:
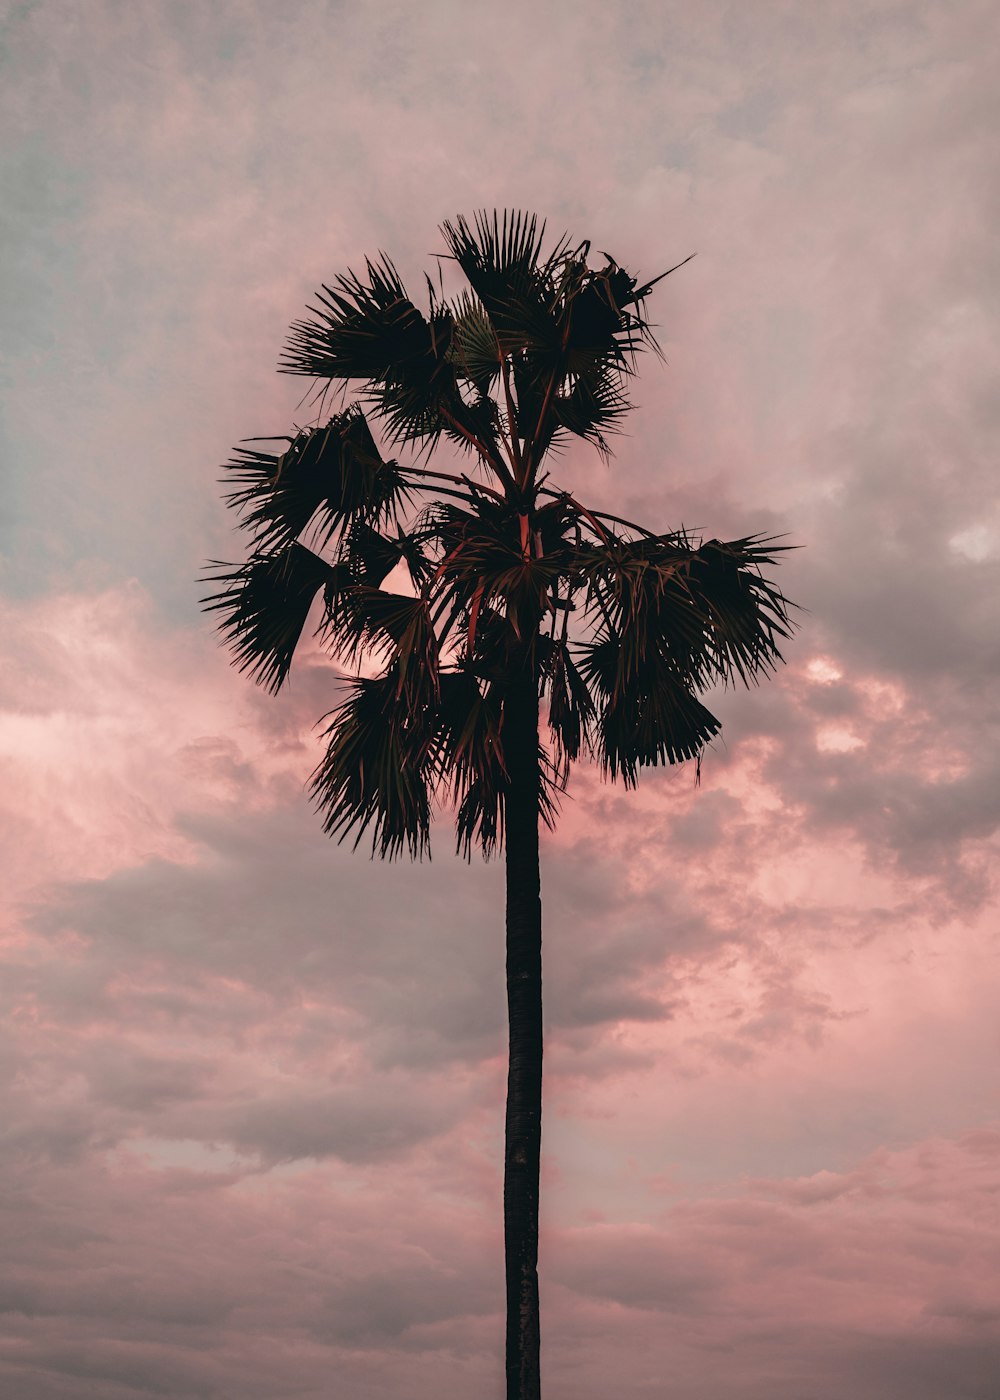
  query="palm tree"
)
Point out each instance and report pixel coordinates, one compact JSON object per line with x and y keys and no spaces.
{"x":519,"y":596}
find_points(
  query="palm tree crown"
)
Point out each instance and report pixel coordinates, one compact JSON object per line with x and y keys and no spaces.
{"x":513,"y":580}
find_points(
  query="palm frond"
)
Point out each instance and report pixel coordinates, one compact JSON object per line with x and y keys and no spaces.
{"x":370,"y":330}
{"x":706,"y":608}
{"x":375,"y":773}
{"x":263,"y":607}
{"x":394,"y":627}
{"x":604,"y":320}
{"x":571,"y":706}
{"x":502,"y":262}
{"x":363,"y":330}
{"x":661,"y":723}
{"x":647,"y":715}
{"x":469,"y":759}
{"x":591,"y":408}
{"x":371,"y":557}
{"x":327,"y":476}
{"x":474,"y":348}
{"x":749,"y":616}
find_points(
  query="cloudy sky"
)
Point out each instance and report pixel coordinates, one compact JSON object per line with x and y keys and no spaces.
{"x":252,"y":1084}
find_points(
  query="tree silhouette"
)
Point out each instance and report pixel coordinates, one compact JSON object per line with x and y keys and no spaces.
{"x":520,"y":596}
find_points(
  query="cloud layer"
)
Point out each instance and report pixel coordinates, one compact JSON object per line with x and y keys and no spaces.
{"x":251,"y":1084}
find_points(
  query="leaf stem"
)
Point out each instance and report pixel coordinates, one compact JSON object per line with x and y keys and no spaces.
{"x":484,"y":452}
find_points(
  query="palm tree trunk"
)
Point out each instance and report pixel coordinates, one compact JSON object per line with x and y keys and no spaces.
{"x":524,"y":1010}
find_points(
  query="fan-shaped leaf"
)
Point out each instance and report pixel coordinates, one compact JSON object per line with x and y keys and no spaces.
{"x":325,"y":476}
{"x":393,"y":626}
{"x":646,"y":718}
{"x":571,"y":705}
{"x":375,"y":772}
{"x":371,"y":556}
{"x":263,"y":608}
{"x":706,"y":608}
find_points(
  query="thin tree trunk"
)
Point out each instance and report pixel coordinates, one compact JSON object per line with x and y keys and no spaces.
{"x":524,"y":1009}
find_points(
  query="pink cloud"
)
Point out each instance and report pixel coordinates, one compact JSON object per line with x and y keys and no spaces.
{"x":250,"y":1084}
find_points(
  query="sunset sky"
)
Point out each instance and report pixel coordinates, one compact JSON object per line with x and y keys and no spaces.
{"x":251,"y":1083}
